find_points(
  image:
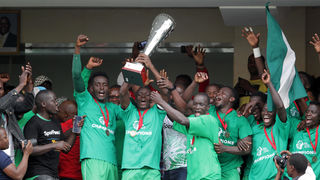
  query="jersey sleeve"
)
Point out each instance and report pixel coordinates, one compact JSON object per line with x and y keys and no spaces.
{"x":180,"y":128}
{"x":244,"y":127}
{"x":204,"y":126}
{"x":283,"y":128}
{"x":125,"y":113}
{"x":85,"y":74}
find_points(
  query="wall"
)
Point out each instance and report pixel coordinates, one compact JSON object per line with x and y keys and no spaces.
{"x":312,"y":27}
{"x":193,"y":25}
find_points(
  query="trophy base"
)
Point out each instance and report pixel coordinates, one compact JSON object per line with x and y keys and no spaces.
{"x":134,"y":73}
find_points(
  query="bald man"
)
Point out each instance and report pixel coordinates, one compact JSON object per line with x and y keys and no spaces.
{"x":69,"y":164}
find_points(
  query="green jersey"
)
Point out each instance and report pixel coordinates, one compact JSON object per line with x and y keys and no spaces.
{"x":202,"y":159}
{"x":300,"y":143}
{"x":237,"y":128}
{"x":94,"y":141}
{"x":248,"y":158}
{"x":142,"y":148}
{"x":262,"y":151}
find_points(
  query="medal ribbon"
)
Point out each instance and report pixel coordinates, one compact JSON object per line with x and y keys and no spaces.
{"x":273,"y":143}
{"x":106,"y":121}
{"x":314,"y":147}
{"x":224,"y":125}
{"x":141,"y":118}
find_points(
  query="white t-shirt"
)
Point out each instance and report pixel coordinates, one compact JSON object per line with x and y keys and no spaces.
{"x":174,"y":147}
{"x":10,"y":150}
{"x":308,"y":175}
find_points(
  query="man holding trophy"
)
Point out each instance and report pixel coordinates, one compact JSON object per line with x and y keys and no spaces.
{"x":143,"y":122}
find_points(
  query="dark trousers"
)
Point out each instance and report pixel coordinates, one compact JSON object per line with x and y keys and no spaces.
{"x":176,"y":174}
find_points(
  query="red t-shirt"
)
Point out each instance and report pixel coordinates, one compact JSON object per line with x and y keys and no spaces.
{"x":69,"y":164}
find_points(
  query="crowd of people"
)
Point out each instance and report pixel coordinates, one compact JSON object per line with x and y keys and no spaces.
{"x":189,"y":128}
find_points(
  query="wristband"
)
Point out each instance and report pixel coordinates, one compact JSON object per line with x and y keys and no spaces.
{"x":171,"y":89}
{"x":256,"y":52}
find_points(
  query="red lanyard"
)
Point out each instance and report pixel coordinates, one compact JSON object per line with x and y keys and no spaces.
{"x":224,"y":125}
{"x":106,"y":121}
{"x":141,"y":118}
{"x":273,"y":143}
{"x":257,"y":122}
{"x":313,"y":146}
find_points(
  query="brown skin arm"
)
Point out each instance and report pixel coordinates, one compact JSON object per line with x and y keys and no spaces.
{"x":58,"y":146}
{"x":221,"y":148}
{"x":181,"y":105}
{"x":199,"y":77}
{"x":316,"y":44}
{"x":302,"y":105}
{"x":281,"y":111}
{"x":174,"y":114}
{"x":18,"y":172}
{"x":124,"y":95}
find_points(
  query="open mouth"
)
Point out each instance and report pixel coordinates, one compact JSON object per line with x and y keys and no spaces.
{"x":266,"y":119}
{"x":101,"y":94}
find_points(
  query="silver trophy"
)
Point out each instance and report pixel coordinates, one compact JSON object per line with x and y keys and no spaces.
{"x":162,"y":26}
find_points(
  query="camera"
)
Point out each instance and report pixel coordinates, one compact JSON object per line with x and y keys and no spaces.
{"x":281,"y":160}
{"x":141,"y":45}
{"x":33,"y":142}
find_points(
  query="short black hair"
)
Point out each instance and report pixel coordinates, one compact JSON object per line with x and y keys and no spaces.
{"x":96,"y":74}
{"x":142,"y":87}
{"x":315,"y":103}
{"x":262,"y":96}
{"x":234,"y":94}
{"x":299,"y":162}
{"x":214,"y":84}
{"x":184,"y":80}
{"x":41,"y":97}
{"x":116,"y":86}
{"x":205,"y":95}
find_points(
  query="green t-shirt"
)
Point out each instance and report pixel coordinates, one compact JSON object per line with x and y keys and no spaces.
{"x":94,"y":142}
{"x":300,"y":143}
{"x":143,"y":149}
{"x":262,"y":152}
{"x":202,"y":160}
{"x":238,"y":128}
{"x":248,"y":158}
{"x":25,"y":118}
{"x":119,"y":139}
{"x":293,"y":111}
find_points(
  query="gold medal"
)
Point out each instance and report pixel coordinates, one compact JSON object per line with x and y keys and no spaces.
{"x":133,"y":133}
{"x":314,"y":158}
{"x":227,"y":134}
{"x":107,"y":132}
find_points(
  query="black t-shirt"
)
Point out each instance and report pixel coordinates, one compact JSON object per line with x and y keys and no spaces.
{"x":46,"y":132}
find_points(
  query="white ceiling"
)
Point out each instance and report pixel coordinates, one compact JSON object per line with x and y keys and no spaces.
{"x":153,"y":3}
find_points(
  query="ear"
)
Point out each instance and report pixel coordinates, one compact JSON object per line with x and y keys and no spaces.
{"x":232,"y":99}
{"x":43,"y":104}
{"x":90,"y":89}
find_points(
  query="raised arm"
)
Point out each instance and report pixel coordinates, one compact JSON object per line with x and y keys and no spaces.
{"x":199,"y":77}
{"x":172,"y":113}
{"x":78,"y":82}
{"x":10,"y":98}
{"x":180,"y":104}
{"x":316,"y":44}
{"x":281,"y":111}
{"x":86,"y":72}
{"x":253,"y":40}
{"x":124,"y":95}
{"x":198,"y":57}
